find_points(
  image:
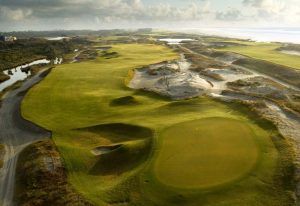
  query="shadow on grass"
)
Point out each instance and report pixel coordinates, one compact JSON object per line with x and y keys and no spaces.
{"x":132,"y":146}
{"x":122,"y":159}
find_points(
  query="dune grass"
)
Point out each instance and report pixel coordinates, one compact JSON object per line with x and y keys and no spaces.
{"x":2,"y":153}
{"x":3,"y":77}
{"x":79,"y":95}
{"x":267,"y":52}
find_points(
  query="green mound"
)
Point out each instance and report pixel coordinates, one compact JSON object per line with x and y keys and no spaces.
{"x":133,"y":146}
{"x":117,"y":132}
{"x":124,"y":101}
{"x":122,"y":158}
{"x":205,"y":153}
{"x":109,"y":55}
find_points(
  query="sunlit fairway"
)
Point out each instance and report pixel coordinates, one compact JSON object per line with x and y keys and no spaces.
{"x":265,"y":51}
{"x":217,"y":146}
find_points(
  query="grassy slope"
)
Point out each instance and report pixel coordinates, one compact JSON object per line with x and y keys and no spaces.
{"x":266,"y":51}
{"x":79,"y":95}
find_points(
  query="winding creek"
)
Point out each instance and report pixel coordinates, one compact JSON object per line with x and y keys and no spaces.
{"x":20,"y":73}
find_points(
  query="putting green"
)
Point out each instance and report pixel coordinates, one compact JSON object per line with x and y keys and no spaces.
{"x":205,"y":153}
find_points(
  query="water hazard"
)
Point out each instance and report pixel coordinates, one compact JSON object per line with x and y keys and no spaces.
{"x":20,"y":73}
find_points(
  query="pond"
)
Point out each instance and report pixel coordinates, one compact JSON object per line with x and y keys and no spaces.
{"x":58,"y":38}
{"x":175,"y":41}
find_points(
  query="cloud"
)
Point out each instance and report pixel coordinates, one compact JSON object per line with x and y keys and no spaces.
{"x":231,"y":14}
{"x":124,"y":9}
{"x":285,"y":11}
{"x":132,"y":13}
{"x":98,"y":13}
{"x":269,"y":6}
{"x":14,"y":14}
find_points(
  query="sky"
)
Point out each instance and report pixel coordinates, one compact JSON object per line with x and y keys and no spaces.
{"x":18,"y":15}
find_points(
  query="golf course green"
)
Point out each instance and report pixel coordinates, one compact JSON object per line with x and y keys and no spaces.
{"x":220,"y":149}
{"x":127,"y":147}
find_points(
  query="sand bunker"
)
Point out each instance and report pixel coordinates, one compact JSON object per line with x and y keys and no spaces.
{"x":172,"y":79}
{"x":178,"y":81}
{"x":119,"y":158}
{"x":104,"y":149}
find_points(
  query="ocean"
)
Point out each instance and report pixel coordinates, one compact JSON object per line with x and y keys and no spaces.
{"x":289,"y":35}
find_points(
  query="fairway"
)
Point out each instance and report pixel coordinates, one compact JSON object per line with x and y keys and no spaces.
{"x":116,"y":142}
{"x":266,"y":51}
{"x":205,"y":153}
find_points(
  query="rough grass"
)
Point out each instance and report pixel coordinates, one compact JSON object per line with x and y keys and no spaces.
{"x":3,"y":77}
{"x":42,"y":178}
{"x":79,"y":96}
{"x":280,"y":72}
{"x":267,"y":52}
{"x":2,"y":153}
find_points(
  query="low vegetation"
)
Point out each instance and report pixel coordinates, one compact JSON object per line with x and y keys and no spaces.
{"x":13,"y":54}
{"x":268,"y":52}
{"x":109,"y":55}
{"x":280,"y":72}
{"x":42,"y":178}
{"x":290,"y":47}
{"x":202,"y":62}
{"x":88,"y":54}
{"x":3,"y":77}
{"x":207,"y":73}
{"x":2,"y":153}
